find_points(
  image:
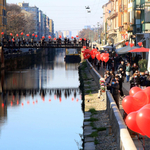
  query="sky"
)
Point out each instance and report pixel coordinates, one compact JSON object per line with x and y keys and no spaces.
{"x":69,"y":15}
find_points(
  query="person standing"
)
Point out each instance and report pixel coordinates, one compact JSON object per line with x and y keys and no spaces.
{"x":122,"y":65}
{"x":120,"y":75}
{"x":128,"y":71}
{"x":134,"y":68}
{"x":115,"y":91}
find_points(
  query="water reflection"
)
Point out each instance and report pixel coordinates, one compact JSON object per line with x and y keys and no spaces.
{"x":41,"y":103}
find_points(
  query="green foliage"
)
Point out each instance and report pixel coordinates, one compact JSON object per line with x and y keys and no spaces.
{"x":143,"y":65}
{"x":92,"y":119}
{"x":94,"y":134}
{"x":101,"y":129}
{"x":96,"y":141}
{"x":88,"y":91}
{"x":93,"y":111}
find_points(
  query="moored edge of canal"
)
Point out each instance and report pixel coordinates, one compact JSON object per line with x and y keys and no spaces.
{"x":96,"y":126}
{"x":103,"y":126}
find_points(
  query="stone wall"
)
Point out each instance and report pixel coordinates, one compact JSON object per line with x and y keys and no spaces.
{"x":123,"y":138}
{"x":94,"y":73}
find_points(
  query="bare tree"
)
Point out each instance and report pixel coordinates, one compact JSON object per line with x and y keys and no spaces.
{"x":19,"y":21}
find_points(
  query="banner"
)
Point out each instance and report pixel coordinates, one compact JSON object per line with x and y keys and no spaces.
{"x":148,"y":66}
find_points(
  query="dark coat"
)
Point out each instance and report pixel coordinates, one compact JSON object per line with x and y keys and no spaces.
{"x":135,"y":81}
{"x":115,"y":89}
{"x":142,"y":80}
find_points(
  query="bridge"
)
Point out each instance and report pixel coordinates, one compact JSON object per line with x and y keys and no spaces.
{"x":45,"y":45}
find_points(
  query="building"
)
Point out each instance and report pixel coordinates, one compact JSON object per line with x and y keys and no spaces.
{"x":41,"y":24}
{"x":35,"y":11}
{"x":59,"y":33}
{"x":127,"y":20}
{"x":3,"y":20}
{"x":67,"y":34}
{"x":51,"y":27}
{"x":44,"y":24}
{"x":47,"y":27}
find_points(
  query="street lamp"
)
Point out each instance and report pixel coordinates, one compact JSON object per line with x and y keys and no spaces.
{"x":98,"y":30}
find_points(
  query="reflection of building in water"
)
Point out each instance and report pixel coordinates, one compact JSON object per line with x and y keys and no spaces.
{"x":28,"y":79}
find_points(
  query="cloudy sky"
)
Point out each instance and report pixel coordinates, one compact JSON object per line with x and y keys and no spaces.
{"x":68,"y":14}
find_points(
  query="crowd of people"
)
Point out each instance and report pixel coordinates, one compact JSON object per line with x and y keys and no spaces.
{"x":119,"y":70}
{"x":23,"y":41}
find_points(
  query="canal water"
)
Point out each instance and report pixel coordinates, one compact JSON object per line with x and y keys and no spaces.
{"x":44,"y":110}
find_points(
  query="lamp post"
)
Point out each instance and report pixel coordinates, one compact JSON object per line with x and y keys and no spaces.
{"x":98,"y":31}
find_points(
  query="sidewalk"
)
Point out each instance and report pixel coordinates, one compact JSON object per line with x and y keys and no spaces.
{"x":142,"y":141}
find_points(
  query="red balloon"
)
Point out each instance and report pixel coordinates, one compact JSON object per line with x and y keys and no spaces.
{"x":88,"y":56}
{"x":27,"y":35}
{"x":131,"y":122}
{"x":98,"y":56}
{"x":106,"y":58}
{"x":49,"y":36}
{"x":131,"y":44}
{"x":33,"y":34}
{"x":17,"y":35}
{"x":84,"y":39}
{"x":84,"y":47}
{"x":2,"y":33}
{"x":93,"y":56}
{"x":10,"y":34}
{"x":107,"y":54}
{"x":143,"y":120}
{"x":127,"y":104}
{"x":72,"y":37}
{"x":102,"y":57}
{"x":134,"y":90}
{"x":21,"y":33}
{"x":60,"y":36}
{"x":36,"y":36}
{"x":140,"y":99}
{"x":127,"y":43}
{"x":43,"y":37}
{"x":147,"y":91}
{"x":77,"y":36}
{"x":140,"y":43}
{"x":80,"y":39}
{"x":55,"y":39}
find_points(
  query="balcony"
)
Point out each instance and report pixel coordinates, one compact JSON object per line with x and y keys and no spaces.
{"x":112,"y":32}
{"x":113,"y":14}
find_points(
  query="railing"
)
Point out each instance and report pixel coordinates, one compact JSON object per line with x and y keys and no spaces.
{"x":122,"y":136}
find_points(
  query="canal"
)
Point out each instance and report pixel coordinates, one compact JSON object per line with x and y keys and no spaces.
{"x":40,"y":106}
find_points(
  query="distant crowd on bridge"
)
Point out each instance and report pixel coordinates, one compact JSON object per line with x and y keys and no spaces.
{"x":22,"y":42}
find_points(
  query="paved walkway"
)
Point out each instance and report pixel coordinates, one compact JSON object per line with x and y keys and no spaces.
{"x":142,"y":140}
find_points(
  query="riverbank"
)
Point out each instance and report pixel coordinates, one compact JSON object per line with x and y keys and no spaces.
{"x":96,"y":127}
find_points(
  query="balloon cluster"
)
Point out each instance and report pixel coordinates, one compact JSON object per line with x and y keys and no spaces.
{"x":137,"y":106}
{"x":94,"y":53}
